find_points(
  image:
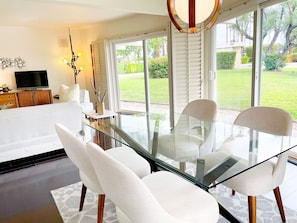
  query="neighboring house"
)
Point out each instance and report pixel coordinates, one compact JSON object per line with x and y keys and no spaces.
{"x":230,"y":40}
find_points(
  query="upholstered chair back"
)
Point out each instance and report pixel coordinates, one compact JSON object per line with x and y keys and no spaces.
{"x":75,"y":149}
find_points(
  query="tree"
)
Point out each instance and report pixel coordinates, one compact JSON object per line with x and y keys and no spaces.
{"x":279,"y":22}
{"x":157,"y":46}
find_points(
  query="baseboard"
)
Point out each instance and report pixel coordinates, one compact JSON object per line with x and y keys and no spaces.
{"x":13,"y":165}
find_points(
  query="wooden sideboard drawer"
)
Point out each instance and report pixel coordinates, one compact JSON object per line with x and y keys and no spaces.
{"x":8,"y":98}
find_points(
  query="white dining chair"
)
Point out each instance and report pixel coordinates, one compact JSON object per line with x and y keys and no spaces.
{"x":75,"y":149}
{"x":187,"y":143}
{"x":159,"y":197}
{"x":268,"y":175}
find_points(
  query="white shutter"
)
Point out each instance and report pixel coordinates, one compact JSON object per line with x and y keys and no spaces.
{"x":99,"y":68}
{"x":187,"y":66}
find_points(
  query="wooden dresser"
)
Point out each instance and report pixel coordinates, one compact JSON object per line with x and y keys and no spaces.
{"x":26,"y":98}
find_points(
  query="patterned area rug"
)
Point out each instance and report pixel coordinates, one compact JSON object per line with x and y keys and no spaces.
{"x":67,"y":201}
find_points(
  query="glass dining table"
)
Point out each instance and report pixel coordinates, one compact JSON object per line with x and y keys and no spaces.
{"x":205,"y":153}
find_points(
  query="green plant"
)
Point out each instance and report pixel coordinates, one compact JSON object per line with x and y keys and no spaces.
{"x":292,"y":57}
{"x":274,"y":62}
{"x":244,"y":59}
{"x":129,"y":68}
{"x":158,"y":67}
{"x":249,"y":51}
{"x":225,"y":60}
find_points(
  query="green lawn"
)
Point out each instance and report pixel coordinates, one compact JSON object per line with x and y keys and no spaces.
{"x":233,"y":89}
{"x":278,"y":89}
{"x":132,"y":89}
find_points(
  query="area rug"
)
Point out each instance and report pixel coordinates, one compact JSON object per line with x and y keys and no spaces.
{"x":67,"y":201}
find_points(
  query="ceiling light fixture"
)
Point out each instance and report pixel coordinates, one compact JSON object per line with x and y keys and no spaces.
{"x":193,"y":12}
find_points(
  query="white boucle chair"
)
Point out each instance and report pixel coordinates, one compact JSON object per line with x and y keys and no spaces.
{"x":161,"y":197}
{"x":268,"y":175}
{"x":75,"y":149}
{"x":183,"y":146}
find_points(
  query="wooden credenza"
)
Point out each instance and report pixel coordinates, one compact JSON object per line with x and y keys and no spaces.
{"x":9,"y":98}
{"x":27,"y":98}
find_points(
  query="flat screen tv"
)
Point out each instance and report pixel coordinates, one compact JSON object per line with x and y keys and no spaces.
{"x":33,"y":79}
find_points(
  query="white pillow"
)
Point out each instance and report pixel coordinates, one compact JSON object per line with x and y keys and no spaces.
{"x":69,"y":93}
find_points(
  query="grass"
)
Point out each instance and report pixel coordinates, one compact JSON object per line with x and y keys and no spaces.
{"x":277,"y":89}
{"x":233,"y":89}
{"x":132,"y":89}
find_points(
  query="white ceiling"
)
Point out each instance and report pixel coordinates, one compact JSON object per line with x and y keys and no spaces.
{"x":74,"y":13}
{"x":78,"y":13}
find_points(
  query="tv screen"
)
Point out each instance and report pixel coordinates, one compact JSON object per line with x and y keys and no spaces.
{"x":31,"y":79}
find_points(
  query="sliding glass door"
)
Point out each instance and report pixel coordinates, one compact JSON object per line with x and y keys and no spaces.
{"x":279,"y":71}
{"x":256,"y":61}
{"x":142,"y":74}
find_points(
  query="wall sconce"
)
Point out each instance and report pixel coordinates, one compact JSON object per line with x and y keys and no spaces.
{"x":194,"y":12}
{"x":74,"y":58}
{"x":8,"y":62}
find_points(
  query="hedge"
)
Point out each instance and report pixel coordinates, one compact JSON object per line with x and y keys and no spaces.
{"x":128,"y":68}
{"x":225,"y":60}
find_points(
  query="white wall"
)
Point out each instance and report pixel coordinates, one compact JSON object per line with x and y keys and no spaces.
{"x":45,"y":48}
{"x":41,"y":49}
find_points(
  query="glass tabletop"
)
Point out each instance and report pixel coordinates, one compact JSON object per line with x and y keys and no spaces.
{"x":207,"y":153}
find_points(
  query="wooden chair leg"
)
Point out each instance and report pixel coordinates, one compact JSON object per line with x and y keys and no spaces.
{"x":101,"y":200}
{"x":252,"y":208}
{"x":279,"y":203}
{"x":82,"y":197}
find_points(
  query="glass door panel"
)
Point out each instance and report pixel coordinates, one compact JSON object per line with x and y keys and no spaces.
{"x":158,"y":74}
{"x":234,"y":66}
{"x":142,"y":70}
{"x":130,"y":70}
{"x":279,"y":72}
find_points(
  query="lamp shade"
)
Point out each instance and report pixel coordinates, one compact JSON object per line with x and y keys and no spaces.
{"x":194,"y":12}
{"x":203,"y":9}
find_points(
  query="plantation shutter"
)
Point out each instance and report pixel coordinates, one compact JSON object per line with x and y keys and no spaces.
{"x":187,"y":66}
{"x":100,"y":68}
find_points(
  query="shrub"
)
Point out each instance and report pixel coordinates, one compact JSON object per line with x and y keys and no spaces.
{"x":292,"y":57}
{"x":158,"y":67}
{"x":128,"y":68}
{"x":249,"y":51}
{"x":244,"y":59}
{"x":225,"y":60}
{"x":273,"y":62}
